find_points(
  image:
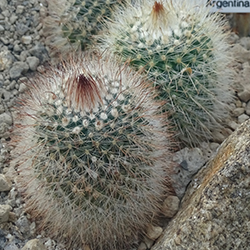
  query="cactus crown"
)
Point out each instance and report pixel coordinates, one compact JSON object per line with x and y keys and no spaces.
{"x":95,"y":150}
{"x":71,"y":24}
{"x":183,"y":49}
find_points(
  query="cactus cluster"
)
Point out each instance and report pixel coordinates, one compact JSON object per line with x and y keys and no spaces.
{"x":183,"y":49}
{"x":70,"y":25}
{"x":91,"y":134}
{"x":92,"y":151}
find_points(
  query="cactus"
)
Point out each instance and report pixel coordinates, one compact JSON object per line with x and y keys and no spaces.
{"x":183,"y":49}
{"x":71,"y":24}
{"x":92,"y":152}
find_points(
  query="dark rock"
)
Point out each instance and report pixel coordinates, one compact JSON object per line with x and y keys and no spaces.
{"x":40,"y":52}
{"x":18,"y":69}
{"x":21,"y":29}
{"x":3,"y":240}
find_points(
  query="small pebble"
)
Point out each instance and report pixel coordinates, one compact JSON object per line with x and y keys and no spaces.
{"x":22,"y":87}
{"x":238,"y":111}
{"x":142,"y":246}
{"x":34,"y":244}
{"x":26,"y":39}
{"x":247,"y":108}
{"x":6,"y":118}
{"x":5,"y":185}
{"x":242,"y":118}
{"x":244,"y":95}
{"x":171,"y":206}
{"x":218,"y":137}
{"x":4,"y":213}
{"x":33,"y":62}
{"x":18,"y":69}
{"x":154,"y":232}
{"x":233,"y":125}
{"x":19,"y":9}
{"x":148,"y":242}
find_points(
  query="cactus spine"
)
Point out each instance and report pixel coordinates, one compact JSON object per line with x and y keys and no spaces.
{"x":92,"y":152}
{"x":183,"y":48}
{"x":71,"y":24}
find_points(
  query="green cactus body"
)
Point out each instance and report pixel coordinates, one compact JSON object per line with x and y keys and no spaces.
{"x":71,"y":24}
{"x":94,"y":164}
{"x":182,"y":48}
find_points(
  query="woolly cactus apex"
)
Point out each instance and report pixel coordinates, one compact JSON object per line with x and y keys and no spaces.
{"x":183,"y":48}
{"x":71,"y":24}
{"x":92,"y":152}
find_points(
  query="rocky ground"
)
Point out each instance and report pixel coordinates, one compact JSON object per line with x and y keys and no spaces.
{"x":22,"y":53}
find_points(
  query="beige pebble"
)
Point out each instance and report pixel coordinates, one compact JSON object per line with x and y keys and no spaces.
{"x":170,"y":206}
{"x":154,"y":232}
{"x":4,"y":213}
{"x":34,"y":244}
{"x":5,"y":185}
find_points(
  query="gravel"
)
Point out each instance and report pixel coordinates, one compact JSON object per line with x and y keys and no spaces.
{"x":22,"y":53}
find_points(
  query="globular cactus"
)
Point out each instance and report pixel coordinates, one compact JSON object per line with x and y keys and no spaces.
{"x":92,"y":152}
{"x":183,"y":48}
{"x":71,"y":24}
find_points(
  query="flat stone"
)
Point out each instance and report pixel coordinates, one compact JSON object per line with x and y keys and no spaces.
{"x":214,"y":212}
{"x":4,"y":213}
{"x":238,"y":111}
{"x":242,"y":118}
{"x":244,"y":95}
{"x":5,"y":185}
{"x":233,"y":125}
{"x":34,"y":244}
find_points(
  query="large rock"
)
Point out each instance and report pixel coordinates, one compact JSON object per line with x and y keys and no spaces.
{"x":215,"y":211}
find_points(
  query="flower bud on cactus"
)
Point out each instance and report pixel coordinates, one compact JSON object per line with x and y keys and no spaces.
{"x":71,"y":24}
{"x":92,"y":152}
{"x":183,"y":48}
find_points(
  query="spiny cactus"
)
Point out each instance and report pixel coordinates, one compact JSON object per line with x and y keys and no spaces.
{"x":183,"y":48}
{"x":92,"y":152}
{"x":71,"y":24}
